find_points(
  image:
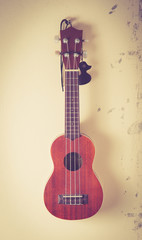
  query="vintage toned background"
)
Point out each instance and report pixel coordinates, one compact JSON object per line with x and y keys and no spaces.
{"x":32,"y":115}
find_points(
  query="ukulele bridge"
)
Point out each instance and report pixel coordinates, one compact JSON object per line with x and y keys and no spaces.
{"x":73,"y":199}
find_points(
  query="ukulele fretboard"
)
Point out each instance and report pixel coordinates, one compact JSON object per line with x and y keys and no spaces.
{"x":72,"y":117}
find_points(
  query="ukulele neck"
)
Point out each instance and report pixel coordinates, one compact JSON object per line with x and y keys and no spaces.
{"x":72,"y":116}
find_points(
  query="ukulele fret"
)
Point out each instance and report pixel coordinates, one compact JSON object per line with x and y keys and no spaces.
{"x":72,"y":128}
{"x":71,"y":84}
{"x":74,"y":115}
{"x":71,"y":106}
{"x":72,"y":124}
{"x":72,"y":119}
{"x":69,"y":97}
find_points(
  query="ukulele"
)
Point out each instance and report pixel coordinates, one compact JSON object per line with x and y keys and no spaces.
{"x":73,"y":191}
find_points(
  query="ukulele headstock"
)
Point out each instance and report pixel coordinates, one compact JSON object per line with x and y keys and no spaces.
{"x":71,"y":47}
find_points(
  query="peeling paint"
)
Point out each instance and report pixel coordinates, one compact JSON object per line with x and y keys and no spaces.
{"x":111,"y":110}
{"x":134,"y":31}
{"x":132,"y":53}
{"x":125,"y":192}
{"x":138,"y":225}
{"x":139,"y":95}
{"x":131,"y":214}
{"x":135,"y":128}
{"x":122,"y":54}
{"x":140,"y":215}
{"x":135,"y":53}
{"x":140,"y":10}
{"x":113,"y":8}
{"x":120,"y":60}
{"x":136,"y":26}
{"x":137,"y":104}
{"x":136,"y":195}
{"x":137,"y":220}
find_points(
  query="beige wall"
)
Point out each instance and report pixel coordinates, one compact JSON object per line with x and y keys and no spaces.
{"x":32,"y":115}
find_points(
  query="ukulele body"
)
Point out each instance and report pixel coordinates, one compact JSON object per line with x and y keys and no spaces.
{"x":73,"y":191}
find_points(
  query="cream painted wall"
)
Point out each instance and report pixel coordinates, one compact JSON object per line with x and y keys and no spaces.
{"x":32,"y":115}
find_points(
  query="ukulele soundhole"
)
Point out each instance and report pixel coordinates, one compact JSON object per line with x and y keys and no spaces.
{"x":73,"y":161}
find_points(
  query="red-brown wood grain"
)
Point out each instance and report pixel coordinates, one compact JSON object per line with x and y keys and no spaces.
{"x":89,"y":184}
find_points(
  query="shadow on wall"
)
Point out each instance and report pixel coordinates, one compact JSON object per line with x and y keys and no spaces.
{"x":103,"y":163}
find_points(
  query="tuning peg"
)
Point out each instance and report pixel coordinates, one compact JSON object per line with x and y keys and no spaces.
{"x":84,"y":54}
{"x":76,"y":54}
{"x":56,"y":38}
{"x":57,"y":52}
{"x":65,"y":40}
{"x":85,"y":40}
{"x":77,"y":40}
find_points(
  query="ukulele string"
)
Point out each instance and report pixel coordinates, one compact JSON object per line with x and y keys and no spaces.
{"x":77,"y":131}
{"x":70,"y":130}
{"x":74,"y":98}
{"x":69,"y":80}
{"x":78,"y":136}
{"x":77,"y":141}
{"x":66,"y":129}
{"x":66,"y":107}
{"x":79,"y":146}
{"x":69,"y":84}
{"x":66,"y":115}
{"x":65,"y":138}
